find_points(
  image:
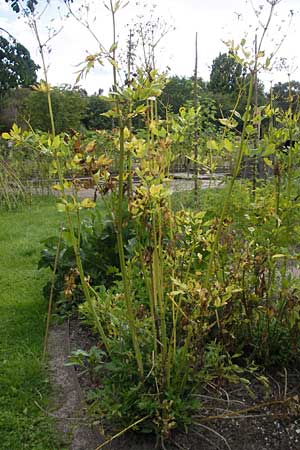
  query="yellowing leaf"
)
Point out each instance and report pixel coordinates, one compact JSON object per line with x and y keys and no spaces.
{"x":16,"y":129}
{"x":87,"y":203}
{"x":260,"y":54}
{"x":113,"y":62}
{"x":230,"y":123}
{"x":103,"y":160}
{"x":157,"y":190}
{"x":126,"y":133}
{"x":57,"y":187}
{"x":42,"y":87}
{"x":268,"y":162}
{"x":90,"y":147}
{"x":67,"y":185}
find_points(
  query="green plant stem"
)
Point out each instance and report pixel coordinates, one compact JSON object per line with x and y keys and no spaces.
{"x":196,"y":125}
{"x":127,"y":293}
{"x":51,"y":293}
{"x":277,"y":191}
{"x":257,"y":133}
{"x":290,"y":120}
{"x":173,"y":340}
{"x":41,"y":51}
{"x":84,"y":284}
{"x":276,"y":165}
{"x":172,"y":349}
{"x":69,"y":218}
{"x":151,"y":302}
{"x":158,"y":283}
{"x":129,"y":155}
{"x":230,"y":189}
{"x":119,"y":225}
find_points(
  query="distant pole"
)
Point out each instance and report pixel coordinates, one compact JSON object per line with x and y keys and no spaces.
{"x":196,"y":169}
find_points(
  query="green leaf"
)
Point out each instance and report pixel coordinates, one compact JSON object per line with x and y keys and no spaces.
{"x":61,"y":207}
{"x":212,"y":145}
{"x":228,"y":145}
{"x":141,"y":109}
{"x":56,"y":142}
{"x":268,"y":62}
{"x":113,"y":47}
{"x":269,"y":150}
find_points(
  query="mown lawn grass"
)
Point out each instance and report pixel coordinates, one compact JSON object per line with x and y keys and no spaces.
{"x":24,"y":382}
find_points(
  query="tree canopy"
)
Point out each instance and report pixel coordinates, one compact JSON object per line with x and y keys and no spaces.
{"x":68,"y":107}
{"x":29,"y":4}
{"x":16,"y":66}
{"x":286,"y":94}
{"x":178,"y":91}
{"x":227,"y":80}
{"x":92,"y":118}
{"x":226,"y":74}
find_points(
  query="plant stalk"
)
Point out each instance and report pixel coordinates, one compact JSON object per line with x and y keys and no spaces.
{"x":230,"y":188}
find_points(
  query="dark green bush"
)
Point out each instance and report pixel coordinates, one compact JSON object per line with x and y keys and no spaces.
{"x":98,"y":251}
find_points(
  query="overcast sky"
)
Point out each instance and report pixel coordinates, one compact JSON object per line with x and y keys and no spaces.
{"x":214,"y":20}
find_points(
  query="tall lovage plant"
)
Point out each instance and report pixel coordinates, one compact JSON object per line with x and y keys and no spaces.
{"x":156,"y":324}
{"x":143,"y":352}
{"x":159,"y":319}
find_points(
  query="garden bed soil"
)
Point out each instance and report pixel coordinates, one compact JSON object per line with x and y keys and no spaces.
{"x":260,"y":419}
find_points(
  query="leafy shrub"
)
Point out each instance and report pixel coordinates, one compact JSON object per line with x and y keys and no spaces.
{"x":98,"y":252}
{"x":68,"y":106}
